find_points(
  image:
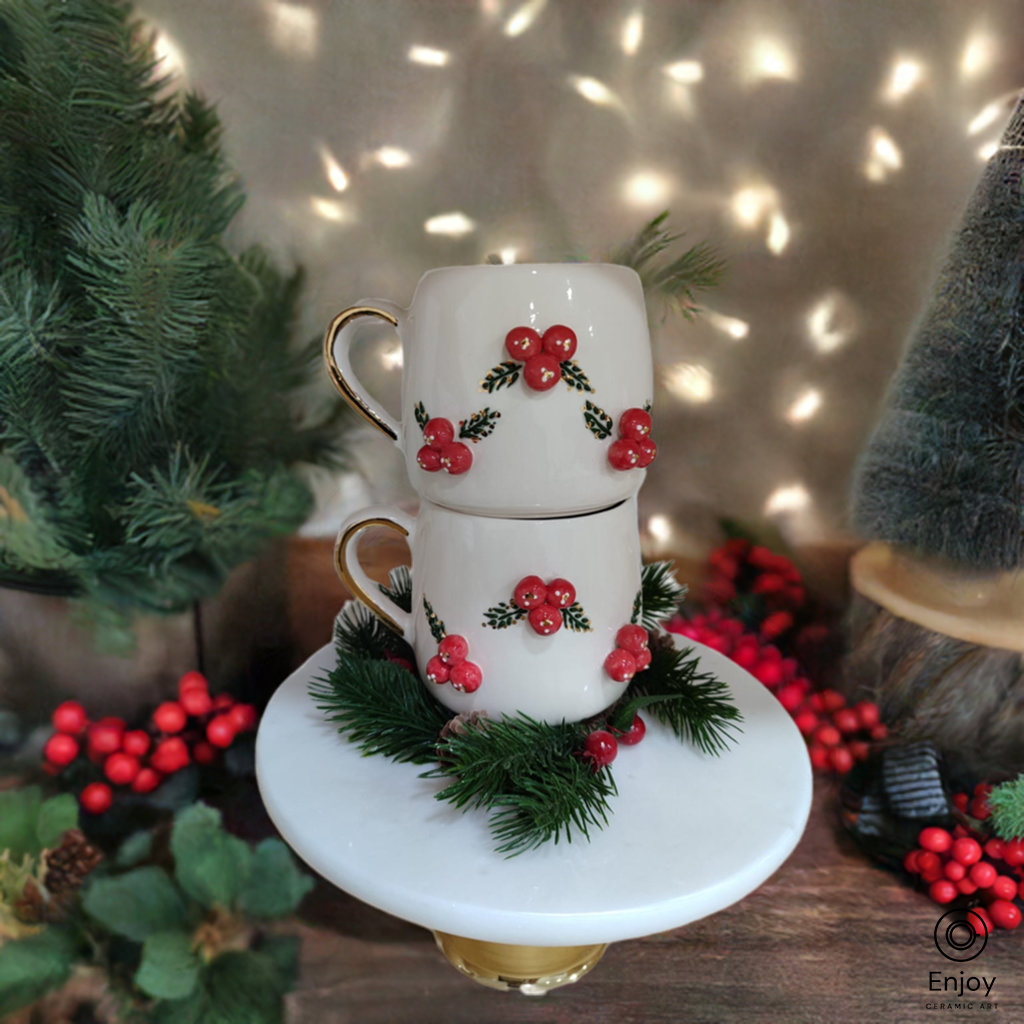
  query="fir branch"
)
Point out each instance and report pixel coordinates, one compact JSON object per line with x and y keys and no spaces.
{"x":1006,"y":802}
{"x":638,"y":608}
{"x":503,"y":375}
{"x":503,"y":615}
{"x":599,"y":423}
{"x":675,"y":281}
{"x":382,"y":708}
{"x":574,"y":618}
{"x":648,"y":406}
{"x":421,"y":415}
{"x":574,"y":377}
{"x":480,"y":425}
{"x":661,"y":594}
{"x":530,"y":776}
{"x":358,"y":632}
{"x":400,"y":590}
{"x":437,"y":630}
{"x":701,"y":709}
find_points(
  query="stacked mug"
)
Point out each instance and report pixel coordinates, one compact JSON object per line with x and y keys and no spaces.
{"x":526,"y":395}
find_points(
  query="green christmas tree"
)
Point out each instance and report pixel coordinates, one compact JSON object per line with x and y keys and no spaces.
{"x":149,"y":416}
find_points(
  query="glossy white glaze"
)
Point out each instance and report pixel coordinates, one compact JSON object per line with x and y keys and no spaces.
{"x":372,"y":827}
{"x":466,"y":564}
{"x":542,"y":459}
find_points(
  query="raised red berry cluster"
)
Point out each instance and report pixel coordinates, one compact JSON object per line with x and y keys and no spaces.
{"x":544,"y":602}
{"x":631,"y":654}
{"x":837,"y":736}
{"x":193,"y":727}
{"x":634,"y":448}
{"x":541,"y":354}
{"x":986,"y":873}
{"x":602,"y":745}
{"x":441,"y":450}
{"x":449,"y":665}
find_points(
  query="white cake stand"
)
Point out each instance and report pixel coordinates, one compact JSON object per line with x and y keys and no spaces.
{"x":689,"y":835}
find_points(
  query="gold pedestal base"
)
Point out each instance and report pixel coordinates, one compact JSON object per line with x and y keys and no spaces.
{"x":532,"y":970}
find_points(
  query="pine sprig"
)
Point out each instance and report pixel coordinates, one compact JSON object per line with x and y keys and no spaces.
{"x":530,"y":776}
{"x":599,"y":423}
{"x":503,"y":615}
{"x":400,"y":589}
{"x":437,"y":630}
{"x":1006,"y":802}
{"x":660,"y":594}
{"x":701,"y":709}
{"x":638,"y":608}
{"x":574,"y":618}
{"x":574,"y":377}
{"x":677,"y":280}
{"x":503,"y":375}
{"x":382,"y":708}
{"x":358,"y":632}
{"x":480,"y":425}
{"x":420,"y":412}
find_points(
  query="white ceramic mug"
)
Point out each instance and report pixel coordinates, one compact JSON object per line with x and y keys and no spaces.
{"x":464,"y":575}
{"x":533,"y":452}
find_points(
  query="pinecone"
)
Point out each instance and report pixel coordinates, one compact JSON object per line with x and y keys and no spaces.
{"x":67,"y":866}
{"x":28,"y":907}
{"x":461,"y":724}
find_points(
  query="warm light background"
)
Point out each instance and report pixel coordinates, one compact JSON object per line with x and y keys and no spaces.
{"x":825,"y":146}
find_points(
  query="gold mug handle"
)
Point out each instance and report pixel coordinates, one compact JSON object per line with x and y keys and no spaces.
{"x":346,"y":561}
{"x":339,"y":366}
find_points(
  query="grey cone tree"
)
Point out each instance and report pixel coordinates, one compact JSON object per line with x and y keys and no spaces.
{"x":943,"y":473}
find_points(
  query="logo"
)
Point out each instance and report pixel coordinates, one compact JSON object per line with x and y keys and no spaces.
{"x":960,"y":935}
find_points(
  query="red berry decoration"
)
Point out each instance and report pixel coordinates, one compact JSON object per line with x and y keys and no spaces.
{"x":867,"y":712}
{"x":634,"y":734}
{"x":954,"y":870}
{"x":466,"y":677}
{"x":828,"y":736}
{"x":456,"y":458}
{"x":222,"y":702}
{"x":994,"y":849}
{"x":196,"y":702}
{"x":97,"y":798}
{"x":530,"y":592}
{"x":437,"y":671}
{"x":61,"y":749}
{"x":642,"y":659}
{"x":171,"y":755}
{"x":635,"y":424}
{"x":545,"y":619}
{"x":438,"y":432}
{"x":1013,"y":852}
{"x":192,"y":680}
{"x":453,"y":649}
{"x":221,"y":731}
{"x":243,"y":717}
{"x":146,"y":781}
{"x":600,"y":748}
{"x":806,"y":722}
{"x":523,"y":343}
{"x":121,"y":769}
{"x":624,"y":454}
{"x":938,"y":840}
{"x":620,"y":665}
{"x":983,"y":874}
{"x":428,"y":459}
{"x":632,"y":638}
{"x":70,"y":717}
{"x":561,"y":593}
{"x":136,"y":743}
{"x":967,"y":851}
{"x":559,"y":341}
{"x":648,"y":452}
{"x":1004,"y":914}
{"x":841,"y":759}
{"x":105,"y":736}
{"x":170,"y":717}
{"x":942,"y":891}
{"x":1004,"y":888}
{"x":542,"y":372}
{"x":203,"y":752}
{"x":846,"y":720}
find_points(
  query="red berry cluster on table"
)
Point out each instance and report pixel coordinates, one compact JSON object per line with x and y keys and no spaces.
{"x":450,"y":664}
{"x":985,"y":874}
{"x":602,"y":745}
{"x":631,"y":655}
{"x":542,"y":359}
{"x":441,"y":450}
{"x":545,"y":606}
{"x":192,"y":728}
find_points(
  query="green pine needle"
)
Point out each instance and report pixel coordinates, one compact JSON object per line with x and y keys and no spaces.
{"x":1006,"y":802}
{"x":661,"y":593}
{"x":358,"y":632}
{"x":704,"y":713}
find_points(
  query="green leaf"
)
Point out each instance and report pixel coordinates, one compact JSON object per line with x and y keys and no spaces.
{"x":29,"y":968}
{"x":598,"y":422}
{"x":276,"y":884}
{"x":480,"y":425}
{"x":503,"y":375}
{"x":169,"y":969}
{"x":57,"y":816}
{"x":283,"y":952}
{"x":422,"y":419}
{"x":503,"y":615}
{"x":243,"y":988}
{"x":575,"y":619}
{"x":575,"y":377}
{"x":437,"y":630}
{"x":136,"y":904}
{"x":137,"y":847}
{"x":211,"y":865}
{"x":19,"y":813}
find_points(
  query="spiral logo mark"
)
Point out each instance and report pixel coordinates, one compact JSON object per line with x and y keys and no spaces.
{"x":960,"y":935}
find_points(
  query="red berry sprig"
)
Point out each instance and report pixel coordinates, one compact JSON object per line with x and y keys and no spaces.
{"x":542,"y":355}
{"x":187,"y":729}
{"x":600,"y":749}
{"x":441,"y":450}
{"x":634,"y":449}
{"x":546,"y":606}
{"x":450,"y":665}
{"x":741,"y":568}
{"x":631,"y":655}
